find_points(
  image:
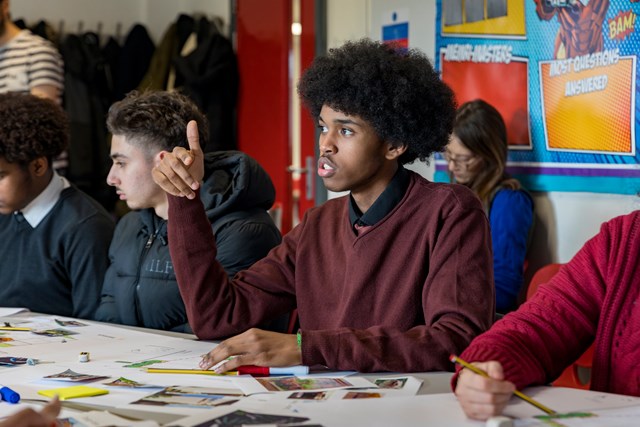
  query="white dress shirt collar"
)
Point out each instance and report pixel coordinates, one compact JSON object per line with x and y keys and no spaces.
{"x":39,"y":207}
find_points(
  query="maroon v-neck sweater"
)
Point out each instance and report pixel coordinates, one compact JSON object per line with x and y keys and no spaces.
{"x":403,"y":296}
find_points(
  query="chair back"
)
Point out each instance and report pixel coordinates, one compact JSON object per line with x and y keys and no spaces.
{"x":543,"y":275}
{"x":578,"y":374}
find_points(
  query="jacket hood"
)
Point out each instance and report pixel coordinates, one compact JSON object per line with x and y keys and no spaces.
{"x":233,"y":181}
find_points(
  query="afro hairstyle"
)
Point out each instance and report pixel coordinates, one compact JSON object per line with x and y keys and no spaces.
{"x":397,"y":91}
{"x":31,"y":127}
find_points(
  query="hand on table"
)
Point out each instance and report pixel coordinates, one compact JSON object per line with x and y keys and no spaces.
{"x":179,"y":173}
{"x":254,"y":347}
{"x":482,"y":397}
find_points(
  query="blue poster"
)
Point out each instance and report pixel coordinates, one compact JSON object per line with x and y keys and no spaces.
{"x":563,"y":75}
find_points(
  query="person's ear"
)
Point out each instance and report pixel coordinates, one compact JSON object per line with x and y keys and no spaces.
{"x":158,"y":157}
{"x":395,"y":151}
{"x":39,"y":166}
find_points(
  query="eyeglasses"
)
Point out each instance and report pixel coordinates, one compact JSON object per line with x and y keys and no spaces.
{"x":458,"y":161}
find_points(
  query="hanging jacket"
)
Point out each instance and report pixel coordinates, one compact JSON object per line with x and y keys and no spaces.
{"x":209,"y":76}
{"x":134,"y":60}
{"x":86,"y":105}
{"x":140,"y":286}
{"x":160,"y":64}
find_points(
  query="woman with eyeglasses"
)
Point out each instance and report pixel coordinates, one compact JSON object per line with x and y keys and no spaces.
{"x":477,"y":156}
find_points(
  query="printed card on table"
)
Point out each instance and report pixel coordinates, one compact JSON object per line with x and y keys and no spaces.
{"x":73,"y":376}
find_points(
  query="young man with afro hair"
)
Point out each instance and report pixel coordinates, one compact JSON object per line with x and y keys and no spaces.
{"x":53,"y":238}
{"x":395,"y":276}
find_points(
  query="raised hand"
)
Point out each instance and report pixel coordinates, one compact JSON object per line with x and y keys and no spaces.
{"x":482,"y":397}
{"x":254,"y":347}
{"x":179,"y":173}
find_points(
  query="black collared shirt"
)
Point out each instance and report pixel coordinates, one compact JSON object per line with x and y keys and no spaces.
{"x":388,"y":200}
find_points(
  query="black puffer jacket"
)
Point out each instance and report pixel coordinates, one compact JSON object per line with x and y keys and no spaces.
{"x":140,"y":285}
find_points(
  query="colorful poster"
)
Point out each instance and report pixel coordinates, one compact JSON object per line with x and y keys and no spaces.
{"x":563,"y":75}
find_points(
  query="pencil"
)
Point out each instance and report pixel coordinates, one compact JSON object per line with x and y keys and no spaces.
{"x":187,"y":371}
{"x":456,"y":359}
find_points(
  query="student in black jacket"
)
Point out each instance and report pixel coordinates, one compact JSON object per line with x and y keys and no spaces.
{"x":140,"y":286}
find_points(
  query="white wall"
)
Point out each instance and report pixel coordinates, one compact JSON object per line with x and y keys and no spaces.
{"x":347,"y":20}
{"x":564,"y":221}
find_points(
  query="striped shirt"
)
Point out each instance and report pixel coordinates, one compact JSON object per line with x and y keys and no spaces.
{"x":28,"y":61}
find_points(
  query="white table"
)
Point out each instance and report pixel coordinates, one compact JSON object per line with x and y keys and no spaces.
{"x":434,"y":405}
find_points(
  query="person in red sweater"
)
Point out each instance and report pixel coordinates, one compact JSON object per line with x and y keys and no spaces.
{"x":392,"y":277}
{"x":592,"y":299}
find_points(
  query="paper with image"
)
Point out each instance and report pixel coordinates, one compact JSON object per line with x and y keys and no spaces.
{"x":376,"y":388}
{"x":295,"y":383}
{"x":59,"y":332}
{"x":241,"y":418}
{"x":619,"y":417}
{"x":73,"y":376}
{"x":127,"y":383}
{"x":310,"y":383}
{"x":398,"y":386}
{"x":102,"y":419}
{"x":69,"y":323}
{"x":10,"y":311}
{"x":177,"y":396}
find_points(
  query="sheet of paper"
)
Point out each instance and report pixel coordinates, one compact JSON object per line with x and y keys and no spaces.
{"x":436,"y":410}
{"x":328,"y":399}
{"x":397,"y":385}
{"x":619,"y":417}
{"x":609,"y":409}
{"x":289,"y":384}
{"x":380,"y":388}
{"x":10,"y":311}
{"x":191,"y":397}
{"x":105,"y":419}
{"x":562,"y":400}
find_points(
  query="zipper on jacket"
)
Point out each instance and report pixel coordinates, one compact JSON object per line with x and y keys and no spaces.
{"x":143,"y":255}
{"x":151,"y":239}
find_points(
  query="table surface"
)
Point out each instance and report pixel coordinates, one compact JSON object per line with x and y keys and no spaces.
{"x":434,"y":405}
{"x":432,"y":382}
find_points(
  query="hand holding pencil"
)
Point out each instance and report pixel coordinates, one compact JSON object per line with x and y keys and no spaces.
{"x":483,"y":392}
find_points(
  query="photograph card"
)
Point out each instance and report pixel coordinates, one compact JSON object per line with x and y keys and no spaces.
{"x":193,"y":397}
{"x":73,"y":376}
{"x":295,"y":383}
